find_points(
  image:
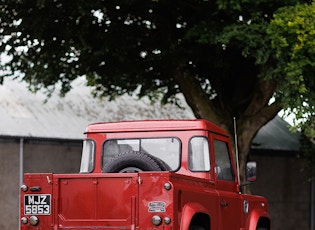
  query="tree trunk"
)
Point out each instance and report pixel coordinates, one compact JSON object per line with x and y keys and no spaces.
{"x":248,"y":121}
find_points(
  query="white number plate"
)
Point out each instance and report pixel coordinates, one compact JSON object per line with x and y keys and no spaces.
{"x":37,"y":204}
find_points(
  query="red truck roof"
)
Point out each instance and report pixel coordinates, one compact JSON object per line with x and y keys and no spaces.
{"x":154,"y":125}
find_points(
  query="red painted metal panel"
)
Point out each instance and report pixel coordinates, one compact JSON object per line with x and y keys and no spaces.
{"x":103,"y":201}
{"x":154,"y":125}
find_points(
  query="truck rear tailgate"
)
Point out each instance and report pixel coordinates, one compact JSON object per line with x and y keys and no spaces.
{"x":99,"y":202}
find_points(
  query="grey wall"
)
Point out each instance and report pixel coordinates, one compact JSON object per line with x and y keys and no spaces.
{"x":9,"y":183}
{"x":56,"y":158}
{"x":281,"y":180}
{"x":39,"y":156}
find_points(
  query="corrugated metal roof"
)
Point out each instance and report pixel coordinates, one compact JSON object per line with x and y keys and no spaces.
{"x":276,"y":135}
{"x":26,"y":114}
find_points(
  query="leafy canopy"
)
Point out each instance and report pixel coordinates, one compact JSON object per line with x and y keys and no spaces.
{"x":240,"y":53}
{"x":292,"y":32}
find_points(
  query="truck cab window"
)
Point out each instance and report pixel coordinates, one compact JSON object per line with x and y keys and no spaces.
{"x":224,"y":169}
{"x":198,"y":154}
{"x":87,"y":158}
{"x":165,"y":151}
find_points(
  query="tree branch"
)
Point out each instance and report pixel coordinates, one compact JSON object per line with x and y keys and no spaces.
{"x":262,"y":95}
{"x":195,"y":97}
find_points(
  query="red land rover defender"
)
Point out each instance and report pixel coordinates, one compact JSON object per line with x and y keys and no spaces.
{"x":146,"y":175}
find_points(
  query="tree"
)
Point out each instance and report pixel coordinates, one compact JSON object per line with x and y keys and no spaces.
{"x":292,"y":32}
{"x":224,"y":56}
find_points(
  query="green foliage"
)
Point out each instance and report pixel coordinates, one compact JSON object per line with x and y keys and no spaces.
{"x":292,"y":33}
{"x":119,"y":44}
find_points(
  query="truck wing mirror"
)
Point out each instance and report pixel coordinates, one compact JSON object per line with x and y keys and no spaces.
{"x":251,"y":171}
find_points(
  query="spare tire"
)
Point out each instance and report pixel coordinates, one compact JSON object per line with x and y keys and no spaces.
{"x":132,"y":161}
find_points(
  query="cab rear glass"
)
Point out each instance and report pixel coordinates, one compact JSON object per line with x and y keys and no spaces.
{"x":166,"y":149}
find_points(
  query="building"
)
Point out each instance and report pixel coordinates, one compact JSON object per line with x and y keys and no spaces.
{"x":280,"y":177}
{"x":44,"y":135}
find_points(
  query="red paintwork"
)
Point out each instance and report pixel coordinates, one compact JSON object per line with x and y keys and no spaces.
{"x":122,"y":200}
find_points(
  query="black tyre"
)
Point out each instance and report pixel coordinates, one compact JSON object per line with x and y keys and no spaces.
{"x":161,"y":163}
{"x":196,"y":227}
{"x":260,"y":228}
{"x":132,"y":161}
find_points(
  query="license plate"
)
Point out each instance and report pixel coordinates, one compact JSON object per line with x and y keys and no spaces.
{"x":38,"y":204}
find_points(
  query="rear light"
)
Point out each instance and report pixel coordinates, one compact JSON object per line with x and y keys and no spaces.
{"x":167,"y":186}
{"x":167,"y":220}
{"x":24,"y":220}
{"x":24,"y":187}
{"x":156,"y":220}
{"x":34,"y":220}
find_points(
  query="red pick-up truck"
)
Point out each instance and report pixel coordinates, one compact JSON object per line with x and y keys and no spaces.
{"x":146,"y":175}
